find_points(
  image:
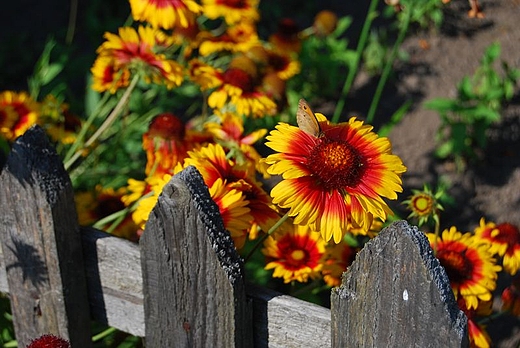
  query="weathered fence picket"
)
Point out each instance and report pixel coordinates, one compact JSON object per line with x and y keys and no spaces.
{"x":41,"y":244}
{"x":183,"y":285}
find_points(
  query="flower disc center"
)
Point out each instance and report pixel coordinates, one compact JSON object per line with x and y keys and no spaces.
{"x":337,"y":164}
{"x":456,"y":264}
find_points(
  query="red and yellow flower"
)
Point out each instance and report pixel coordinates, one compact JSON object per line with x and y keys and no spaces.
{"x":134,"y":52}
{"x":334,"y":181}
{"x":165,"y":14}
{"x":18,"y":112}
{"x":232,"y":11}
{"x":229,"y":133}
{"x":470,"y":265}
{"x":234,"y":210}
{"x":164,"y":144}
{"x":237,"y":38}
{"x":294,"y":253}
{"x":234,"y":86}
{"x":505,"y":242}
{"x":145,"y":194}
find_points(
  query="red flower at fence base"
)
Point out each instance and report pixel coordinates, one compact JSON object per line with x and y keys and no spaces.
{"x":49,"y":341}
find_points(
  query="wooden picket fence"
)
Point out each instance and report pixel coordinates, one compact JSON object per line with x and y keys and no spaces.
{"x":183,"y":285}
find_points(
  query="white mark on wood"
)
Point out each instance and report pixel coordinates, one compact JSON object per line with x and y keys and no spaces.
{"x":405,"y":295}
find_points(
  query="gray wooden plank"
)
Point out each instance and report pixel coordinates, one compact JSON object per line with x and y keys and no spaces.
{"x":282,"y":321}
{"x":396,"y":294}
{"x":115,"y":284}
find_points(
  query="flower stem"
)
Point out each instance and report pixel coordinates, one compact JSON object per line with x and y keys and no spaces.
{"x":84,"y":128}
{"x":354,"y":65}
{"x":108,"y":122}
{"x":103,"y":334}
{"x":388,"y":65}
{"x":264,"y":237}
{"x":73,"y":16}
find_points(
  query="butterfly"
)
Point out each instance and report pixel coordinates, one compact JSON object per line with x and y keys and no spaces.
{"x":306,"y":120}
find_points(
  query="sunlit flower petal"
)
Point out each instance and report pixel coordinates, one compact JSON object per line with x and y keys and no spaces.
{"x":165,"y":14}
{"x":234,"y":210}
{"x":231,"y":10}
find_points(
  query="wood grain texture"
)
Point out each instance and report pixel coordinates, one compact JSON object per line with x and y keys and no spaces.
{"x":41,"y":244}
{"x":113,"y":270}
{"x":192,"y":275}
{"x":115,"y":283}
{"x":282,"y":321}
{"x":396,"y":294}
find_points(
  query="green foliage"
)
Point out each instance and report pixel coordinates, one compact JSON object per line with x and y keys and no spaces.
{"x":46,"y":71}
{"x":6,"y":324}
{"x":478,"y":105}
{"x":324,"y":63}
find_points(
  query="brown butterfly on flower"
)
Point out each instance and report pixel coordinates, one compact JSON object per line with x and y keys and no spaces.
{"x":307,"y":121}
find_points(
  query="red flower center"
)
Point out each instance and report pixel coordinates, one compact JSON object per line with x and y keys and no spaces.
{"x":239,"y":78}
{"x":337,"y":164}
{"x":278,"y":62}
{"x":298,"y":252}
{"x":457,"y":265}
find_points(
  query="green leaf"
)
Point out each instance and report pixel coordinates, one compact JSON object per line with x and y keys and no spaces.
{"x":342,"y":26}
{"x":492,"y":52}
{"x":485,"y":113}
{"x":441,"y":104}
{"x":465,"y":89}
{"x":509,"y":90}
{"x":444,"y":150}
{"x":458,"y":138}
{"x":48,"y":73}
{"x":92,"y":98}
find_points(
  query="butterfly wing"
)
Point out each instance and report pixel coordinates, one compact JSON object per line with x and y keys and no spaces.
{"x":306,"y":119}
